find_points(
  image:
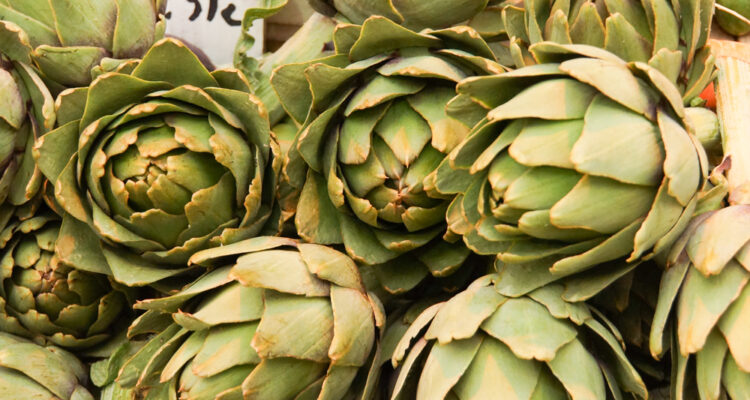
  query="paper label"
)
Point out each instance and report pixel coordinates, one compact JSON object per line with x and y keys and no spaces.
{"x":214,"y":26}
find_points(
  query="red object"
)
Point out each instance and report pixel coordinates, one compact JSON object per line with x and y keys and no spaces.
{"x":709,"y":94}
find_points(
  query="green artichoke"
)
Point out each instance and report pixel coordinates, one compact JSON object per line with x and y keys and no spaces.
{"x":275,"y":320}
{"x":374,"y":129}
{"x":160,"y":163}
{"x":413,"y":14}
{"x":68,"y":38}
{"x":706,"y":285}
{"x":605,"y":174}
{"x":43,"y":299}
{"x":26,"y":113}
{"x":32,"y":372}
{"x":483,"y":345}
{"x":669,"y":35}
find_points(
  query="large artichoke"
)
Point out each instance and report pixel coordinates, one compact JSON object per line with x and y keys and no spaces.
{"x":413,"y":14}
{"x":46,"y":300}
{"x":26,"y":113}
{"x":671,"y":36}
{"x":71,"y":37}
{"x":605,"y":171}
{"x":483,"y":345}
{"x":32,"y":372}
{"x":160,"y":163}
{"x":276,"y":320}
{"x":374,"y":129}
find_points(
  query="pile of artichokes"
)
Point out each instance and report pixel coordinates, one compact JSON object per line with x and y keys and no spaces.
{"x":470,"y":200}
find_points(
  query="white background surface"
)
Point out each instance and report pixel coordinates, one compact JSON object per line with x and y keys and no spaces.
{"x":215,"y":37}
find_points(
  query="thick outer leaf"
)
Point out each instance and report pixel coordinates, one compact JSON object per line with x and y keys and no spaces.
{"x":529,"y":330}
{"x":445,"y":365}
{"x":460,"y":317}
{"x":295,"y":326}
{"x":702,"y":302}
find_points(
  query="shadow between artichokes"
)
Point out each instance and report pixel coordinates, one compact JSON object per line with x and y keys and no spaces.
{"x":483,"y":345}
{"x":276,"y":319}
{"x":69,"y":38}
{"x":604,"y":175}
{"x":160,"y":163}
{"x":669,"y":35}
{"x":374,"y":129}
{"x":26,"y":113}
{"x":30,"y":371}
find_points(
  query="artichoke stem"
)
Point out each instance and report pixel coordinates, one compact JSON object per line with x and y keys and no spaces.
{"x":733,"y":106}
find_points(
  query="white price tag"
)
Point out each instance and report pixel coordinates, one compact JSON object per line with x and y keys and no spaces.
{"x":213,"y":26}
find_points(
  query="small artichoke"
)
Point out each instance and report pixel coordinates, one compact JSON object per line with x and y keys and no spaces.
{"x":160,"y":163}
{"x":68,"y":38}
{"x":605,"y":174}
{"x":413,"y":14}
{"x":483,"y":345}
{"x":44,"y":299}
{"x":26,"y":113}
{"x":707,"y":287}
{"x":671,"y":36}
{"x":30,"y":372}
{"x":276,"y":319}
{"x":374,"y":129}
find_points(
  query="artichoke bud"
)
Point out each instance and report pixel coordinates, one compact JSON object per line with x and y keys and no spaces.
{"x":604,"y":175}
{"x":43,"y":298}
{"x":161,"y":165}
{"x":482,"y":344}
{"x":275,"y":318}
{"x":374,"y":131}
{"x":705,"y":289}
{"x":70,"y":37}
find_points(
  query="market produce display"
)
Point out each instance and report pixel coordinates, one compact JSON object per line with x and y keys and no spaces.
{"x":444,"y":200}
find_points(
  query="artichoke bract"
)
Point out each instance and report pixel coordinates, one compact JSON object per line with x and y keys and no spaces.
{"x":68,"y":38}
{"x":43,"y":299}
{"x":581,"y":160}
{"x":276,"y":319}
{"x":706,"y":292}
{"x":483,"y":345}
{"x":160,"y":164}
{"x":671,"y":36}
{"x":413,"y":14}
{"x":30,"y":371}
{"x":26,"y":113}
{"x":374,"y":129}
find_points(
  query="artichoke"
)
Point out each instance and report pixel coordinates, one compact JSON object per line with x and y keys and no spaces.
{"x":27,"y":113}
{"x":671,"y":36}
{"x":708,"y":271}
{"x":160,"y":164}
{"x":413,"y":14}
{"x":42,"y":298}
{"x":275,"y":320}
{"x":68,"y":38}
{"x":483,"y":345}
{"x":374,"y":129}
{"x":706,"y":285}
{"x":605,"y":173}
{"x":29,"y":371}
